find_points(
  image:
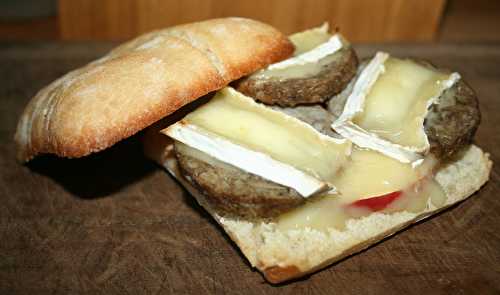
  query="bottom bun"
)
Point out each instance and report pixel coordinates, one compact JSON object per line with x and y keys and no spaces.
{"x":284,"y":255}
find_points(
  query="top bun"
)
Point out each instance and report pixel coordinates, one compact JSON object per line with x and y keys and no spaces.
{"x":142,"y":81}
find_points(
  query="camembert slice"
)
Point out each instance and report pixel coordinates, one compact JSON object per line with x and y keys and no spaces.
{"x":309,"y":39}
{"x":388,"y":105}
{"x":234,"y":129}
{"x":313,"y":49}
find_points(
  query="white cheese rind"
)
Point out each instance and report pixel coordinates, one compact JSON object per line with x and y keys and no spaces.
{"x":355,"y":104}
{"x":371,"y":141}
{"x":330,"y":47}
{"x":291,"y":120}
{"x":362,"y":86}
{"x":250,"y":161}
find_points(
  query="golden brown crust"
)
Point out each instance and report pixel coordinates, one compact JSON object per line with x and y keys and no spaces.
{"x":142,"y":81}
{"x":276,"y":274}
{"x":280,"y":274}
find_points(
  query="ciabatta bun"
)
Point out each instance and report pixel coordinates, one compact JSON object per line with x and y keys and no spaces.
{"x":142,"y":81}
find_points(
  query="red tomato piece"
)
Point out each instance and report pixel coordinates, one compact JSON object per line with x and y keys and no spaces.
{"x":377,"y":203}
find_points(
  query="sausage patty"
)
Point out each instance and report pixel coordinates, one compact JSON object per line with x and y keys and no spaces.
{"x":232,"y":191}
{"x":449,"y":125}
{"x":277,"y":88}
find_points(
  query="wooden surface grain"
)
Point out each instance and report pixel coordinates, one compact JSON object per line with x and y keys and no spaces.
{"x":115,"y":223}
{"x":359,"y":20}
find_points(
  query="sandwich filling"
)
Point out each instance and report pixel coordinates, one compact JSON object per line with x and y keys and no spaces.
{"x":235,"y":129}
{"x":308,"y":167}
{"x":388,"y":105}
{"x":322,"y":65}
{"x":370,"y":182}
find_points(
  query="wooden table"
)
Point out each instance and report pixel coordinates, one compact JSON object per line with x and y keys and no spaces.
{"x":116,"y":223}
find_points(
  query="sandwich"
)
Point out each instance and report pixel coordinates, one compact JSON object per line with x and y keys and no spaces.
{"x":301,"y":152}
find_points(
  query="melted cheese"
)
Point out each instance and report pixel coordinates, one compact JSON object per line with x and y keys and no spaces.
{"x":397,"y":104}
{"x":368,"y":174}
{"x":232,"y":123}
{"x":418,"y":197}
{"x":320,"y":214}
{"x":298,"y":68}
{"x":310,"y":57}
{"x":388,"y":105}
{"x":314,"y":49}
{"x":308,"y":40}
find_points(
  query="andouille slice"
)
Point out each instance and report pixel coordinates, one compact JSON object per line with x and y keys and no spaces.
{"x":388,"y":105}
{"x":236,"y":130}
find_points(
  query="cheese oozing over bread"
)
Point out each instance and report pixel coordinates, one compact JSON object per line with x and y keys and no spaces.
{"x":234,"y":129}
{"x":367,"y":174}
{"x":388,"y":105}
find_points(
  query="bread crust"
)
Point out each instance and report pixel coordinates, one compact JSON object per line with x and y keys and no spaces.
{"x":142,"y":81}
{"x":276,"y":254}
